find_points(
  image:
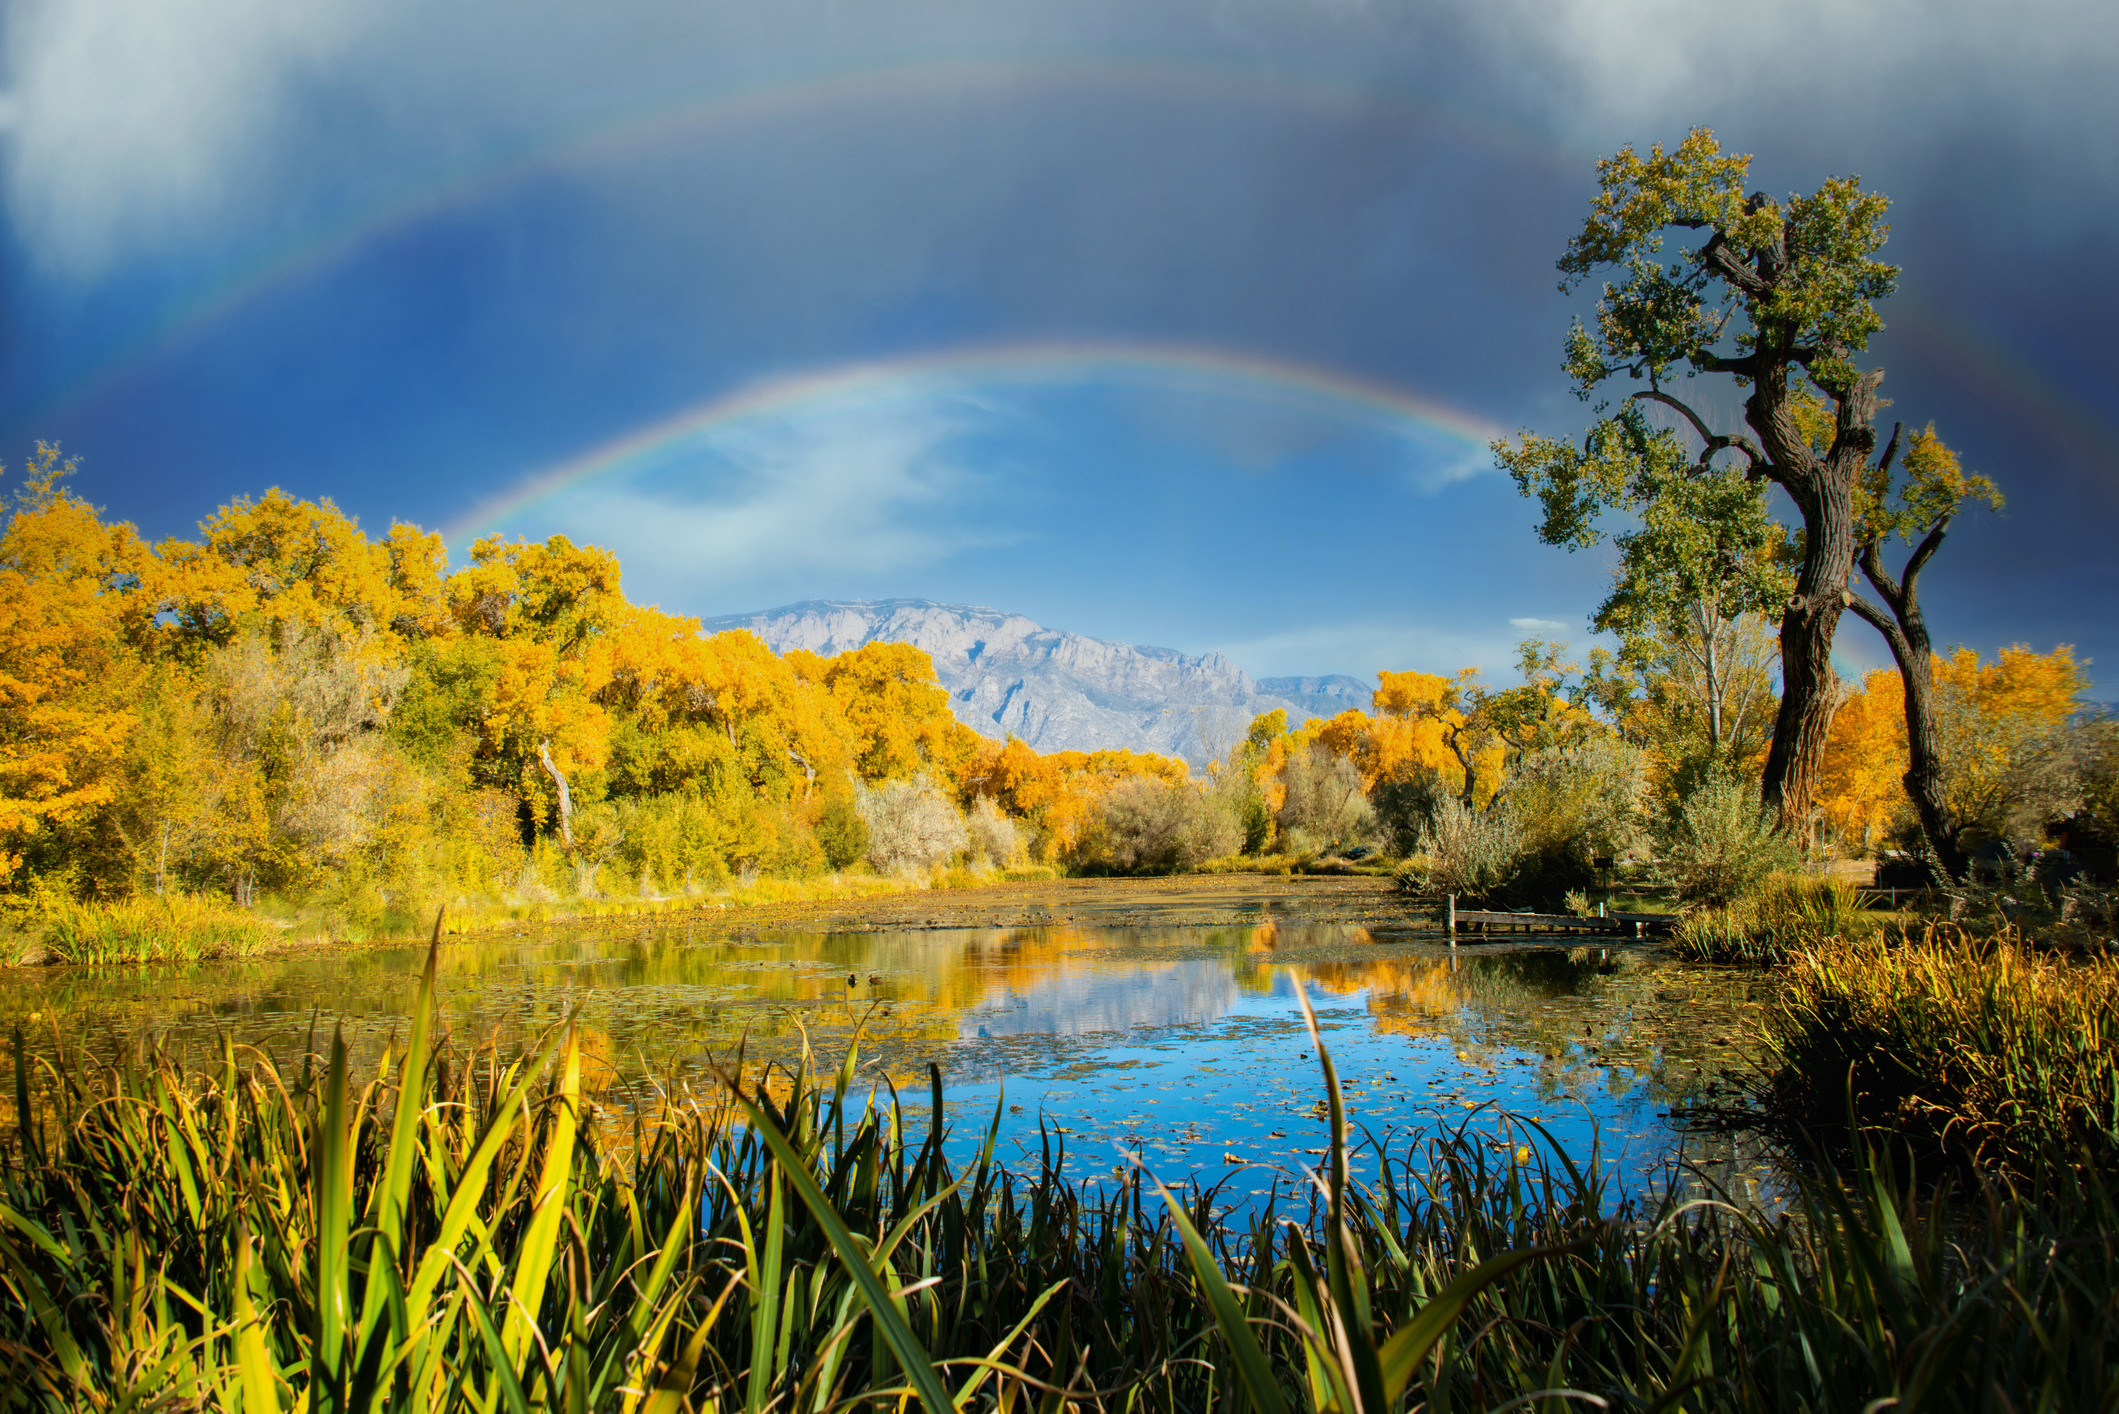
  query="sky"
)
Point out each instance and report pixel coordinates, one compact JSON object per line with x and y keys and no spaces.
{"x":1178,"y":322}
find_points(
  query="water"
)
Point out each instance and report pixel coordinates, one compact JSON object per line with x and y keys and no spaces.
{"x":1178,"y":1045}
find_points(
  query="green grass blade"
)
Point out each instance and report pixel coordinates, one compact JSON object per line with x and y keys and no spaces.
{"x":257,"y":1378}
{"x":918,"y":1365}
{"x":333,"y":1158}
{"x":540,"y":1241}
{"x":1402,"y":1353}
{"x":1252,"y":1366}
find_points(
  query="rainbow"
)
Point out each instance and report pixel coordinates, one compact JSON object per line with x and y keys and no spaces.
{"x":2007,"y":379}
{"x":613,"y":137}
{"x":1304,"y":387}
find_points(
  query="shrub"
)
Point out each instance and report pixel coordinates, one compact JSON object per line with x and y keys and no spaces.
{"x":1405,"y":808}
{"x":912,"y":826}
{"x":1472,"y":853}
{"x":1720,"y":845}
{"x":1586,"y":798}
{"x":995,"y":837}
{"x":841,"y":832}
{"x":1151,"y":825}
{"x":1323,"y":804}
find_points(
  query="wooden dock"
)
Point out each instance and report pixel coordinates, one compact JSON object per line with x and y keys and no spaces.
{"x":1637,"y":925}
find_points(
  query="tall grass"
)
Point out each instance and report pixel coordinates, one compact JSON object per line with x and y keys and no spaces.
{"x":1966,"y":1046}
{"x":176,"y":928}
{"x":1787,"y":913}
{"x":478,"y":1235}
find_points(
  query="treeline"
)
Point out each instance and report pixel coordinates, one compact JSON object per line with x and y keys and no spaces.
{"x":288,"y":709}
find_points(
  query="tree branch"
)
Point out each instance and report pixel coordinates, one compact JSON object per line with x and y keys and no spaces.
{"x":1716,"y":441}
{"x":1925,"y":552}
{"x":1717,"y":256}
{"x":1745,"y":366}
{"x":1872,"y":565}
{"x":1890,"y":448}
{"x":1882,"y":622}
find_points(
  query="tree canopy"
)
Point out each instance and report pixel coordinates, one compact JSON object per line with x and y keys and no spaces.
{"x":1779,"y":297}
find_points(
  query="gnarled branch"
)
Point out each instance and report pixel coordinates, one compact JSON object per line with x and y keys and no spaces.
{"x":1716,"y":441}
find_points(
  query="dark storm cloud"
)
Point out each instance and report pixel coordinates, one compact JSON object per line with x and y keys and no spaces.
{"x":1372,"y":187}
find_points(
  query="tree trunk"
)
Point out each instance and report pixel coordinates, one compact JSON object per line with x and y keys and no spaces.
{"x":1823,"y":491}
{"x":1923,"y":761}
{"x":1905,"y":629}
{"x":566,"y":800}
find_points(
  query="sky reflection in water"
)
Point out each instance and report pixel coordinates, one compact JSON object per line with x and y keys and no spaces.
{"x":1183,"y":1045}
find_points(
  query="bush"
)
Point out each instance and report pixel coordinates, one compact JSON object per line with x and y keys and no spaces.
{"x":1471,"y":853}
{"x":995,"y":837}
{"x":912,"y":826}
{"x":1719,"y":845}
{"x":1323,"y":805}
{"x":1152,"y":826}
{"x":841,"y":833}
{"x":1405,"y":808}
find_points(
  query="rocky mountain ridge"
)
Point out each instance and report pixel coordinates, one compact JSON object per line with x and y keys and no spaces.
{"x":1009,"y":676}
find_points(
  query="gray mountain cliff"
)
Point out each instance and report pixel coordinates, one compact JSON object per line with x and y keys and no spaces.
{"x":1057,"y":691}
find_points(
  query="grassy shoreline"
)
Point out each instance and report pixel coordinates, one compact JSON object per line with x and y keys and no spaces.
{"x":470,"y":1231}
{"x":188,"y":929}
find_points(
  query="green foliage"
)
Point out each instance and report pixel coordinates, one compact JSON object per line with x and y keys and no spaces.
{"x":1671,"y":307}
{"x":1719,"y":844}
{"x":841,"y":833}
{"x":1967,"y":1048}
{"x":1405,"y":807}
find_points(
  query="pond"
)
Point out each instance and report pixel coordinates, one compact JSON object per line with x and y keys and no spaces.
{"x":1172,"y":1034}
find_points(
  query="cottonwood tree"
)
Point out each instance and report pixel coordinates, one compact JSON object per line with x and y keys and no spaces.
{"x":1916,"y":506}
{"x":1779,"y":297}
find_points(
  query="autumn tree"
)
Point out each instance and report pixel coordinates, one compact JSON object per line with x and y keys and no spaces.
{"x":1917,"y":507}
{"x":2007,"y":746}
{"x":1777,"y":296}
{"x":2010,"y":751}
{"x":271,"y":563}
{"x":68,"y":676}
{"x":1861,"y":785}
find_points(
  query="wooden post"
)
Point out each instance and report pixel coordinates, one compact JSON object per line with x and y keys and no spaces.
{"x":1451,"y":919}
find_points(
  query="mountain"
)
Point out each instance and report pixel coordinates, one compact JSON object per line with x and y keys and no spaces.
{"x":1007,"y":676}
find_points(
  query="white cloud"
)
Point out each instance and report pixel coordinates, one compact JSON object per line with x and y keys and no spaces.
{"x":779,"y":505}
{"x":128,"y":117}
{"x":1896,"y":72}
{"x":1538,"y":625}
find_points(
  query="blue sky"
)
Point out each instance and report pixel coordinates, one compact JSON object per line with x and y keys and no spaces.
{"x":416,"y":258}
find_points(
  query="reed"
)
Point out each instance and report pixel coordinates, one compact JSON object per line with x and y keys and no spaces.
{"x":174,"y":928}
{"x":1969,"y":1047}
{"x":1788,"y":913}
{"x":453,"y":1234}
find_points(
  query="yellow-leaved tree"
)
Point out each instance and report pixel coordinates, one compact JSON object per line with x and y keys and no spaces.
{"x":68,"y":676}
